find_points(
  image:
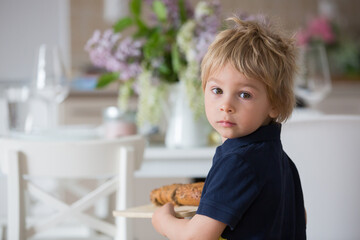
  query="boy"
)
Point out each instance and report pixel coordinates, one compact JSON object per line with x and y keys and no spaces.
{"x":253,"y":190}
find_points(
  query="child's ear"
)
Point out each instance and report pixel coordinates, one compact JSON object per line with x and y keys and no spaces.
{"x":274,"y":112}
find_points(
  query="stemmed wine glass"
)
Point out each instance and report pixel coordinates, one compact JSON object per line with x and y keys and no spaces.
{"x":313,"y":82}
{"x":51,"y":81}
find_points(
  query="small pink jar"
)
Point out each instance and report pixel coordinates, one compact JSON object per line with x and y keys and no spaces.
{"x":118,"y":123}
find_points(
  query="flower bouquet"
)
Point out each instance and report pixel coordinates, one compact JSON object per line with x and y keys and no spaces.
{"x":145,"y":55}
{"x":343,"y":52}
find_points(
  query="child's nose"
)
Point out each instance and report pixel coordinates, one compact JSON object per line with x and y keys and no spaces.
{"x":227,"y":108}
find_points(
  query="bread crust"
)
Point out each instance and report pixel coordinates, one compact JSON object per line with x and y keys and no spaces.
{"x":178,"y":194}
{"x":189,"y":194}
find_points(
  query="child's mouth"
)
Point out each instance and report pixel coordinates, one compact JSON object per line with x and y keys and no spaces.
{"x":226,"y":123}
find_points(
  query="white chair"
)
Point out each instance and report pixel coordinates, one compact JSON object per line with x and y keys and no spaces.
{"x":326,"y":151}
{"x":113,"y":159}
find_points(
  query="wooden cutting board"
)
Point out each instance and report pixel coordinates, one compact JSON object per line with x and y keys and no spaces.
{"x":146,"y":211}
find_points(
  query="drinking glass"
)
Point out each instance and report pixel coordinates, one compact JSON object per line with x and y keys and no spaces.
{"x":19,"y":117}
{"x":313,"y":82}
{"x":51,"y":81}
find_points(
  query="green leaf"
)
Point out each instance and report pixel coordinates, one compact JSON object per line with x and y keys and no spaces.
{"x":160,"y":10}
{"x":143,"y":32}
{"x":154,"y":47}
{"x":175,"y":58}
{"x":182,"y":11}
{"x":135,"y":8}
{"x":164,"y":69}
{"x":106,"y":79}
{"x":141,"y":25}
{"x":123,"y":24}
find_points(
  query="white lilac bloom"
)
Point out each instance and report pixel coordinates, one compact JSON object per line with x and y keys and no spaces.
{"x":203,"y":9}
{"x":185,"y":38}
{"x":195,"y":36}
{"x":150,"y":107}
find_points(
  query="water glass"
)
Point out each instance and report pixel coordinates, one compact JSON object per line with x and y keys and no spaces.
{"x":51,"y":80}
{"x":19,"y":117}
{"x":313,"y":82}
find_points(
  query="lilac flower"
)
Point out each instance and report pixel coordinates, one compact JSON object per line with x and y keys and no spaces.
{"x":105,"y":51}
{"x":100,"y":47}
{"x":202,"y":44}
{"x":129,"y":71}
{"x":208,"y":22}
{"x":172,"y":11}
{"x":93,"y":40}
{"x":128,"y":48}
{"x":112,"y":64}
{"x":173,"y":15}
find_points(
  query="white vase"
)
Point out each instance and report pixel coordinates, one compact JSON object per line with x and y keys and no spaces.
{"x":184,"y":130}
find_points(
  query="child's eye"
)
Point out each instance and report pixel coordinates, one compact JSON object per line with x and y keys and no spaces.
{"x":217,"y":90}
{"x":245,"y":95}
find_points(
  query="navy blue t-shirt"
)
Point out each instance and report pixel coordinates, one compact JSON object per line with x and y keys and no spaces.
{"x":254,"y":188}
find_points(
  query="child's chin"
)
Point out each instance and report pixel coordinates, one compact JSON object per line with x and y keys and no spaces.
{"x":230,"y":135}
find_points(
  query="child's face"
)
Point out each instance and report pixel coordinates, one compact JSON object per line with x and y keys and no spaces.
{"x":236,"y":106}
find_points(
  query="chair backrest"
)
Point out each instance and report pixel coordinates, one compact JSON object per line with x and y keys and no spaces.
{"x":326,"y":151}
{"x":74,"y":158}
{"x":114,"y":159}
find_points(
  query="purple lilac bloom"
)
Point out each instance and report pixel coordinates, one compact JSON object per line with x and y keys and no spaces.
{"x":128,"y":71}
{"x":100,"y":47}
{"x":173,"y":13}
{"x":112,"y":64}
{"x":189,"y":9}
{"x":129,"y":48}
{"x":207,"y":27}
{"x":202,"y":43}
{"x":105,"y":52}
{"x":93,"y":40}
{"x":149,"y":2}
{"x":128,"y":55}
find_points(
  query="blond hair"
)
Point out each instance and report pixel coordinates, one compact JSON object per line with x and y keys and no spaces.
{"x":258,"y":52}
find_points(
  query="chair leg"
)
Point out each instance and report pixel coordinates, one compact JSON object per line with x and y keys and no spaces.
{"x":16,"y":229}
{"x":1,"y":232}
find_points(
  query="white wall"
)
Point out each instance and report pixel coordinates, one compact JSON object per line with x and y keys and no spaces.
{"x":24,"y":25}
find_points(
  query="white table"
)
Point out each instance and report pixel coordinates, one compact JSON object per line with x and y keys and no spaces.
{"x":160,"y":161}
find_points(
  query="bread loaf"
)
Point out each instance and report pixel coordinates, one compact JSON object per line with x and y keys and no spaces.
{"x":178,"y":194}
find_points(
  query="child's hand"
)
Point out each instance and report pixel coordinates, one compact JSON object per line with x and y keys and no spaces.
{"x":165,"y":222}
{"x":160,"y":215}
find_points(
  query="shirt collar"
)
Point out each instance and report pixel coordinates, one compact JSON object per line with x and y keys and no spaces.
{"x":269,"y":132}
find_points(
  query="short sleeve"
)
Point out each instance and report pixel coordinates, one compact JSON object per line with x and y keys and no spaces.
{"x":231,"y":186}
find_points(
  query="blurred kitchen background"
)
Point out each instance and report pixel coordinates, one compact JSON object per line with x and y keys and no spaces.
{"x":25,"y":25}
